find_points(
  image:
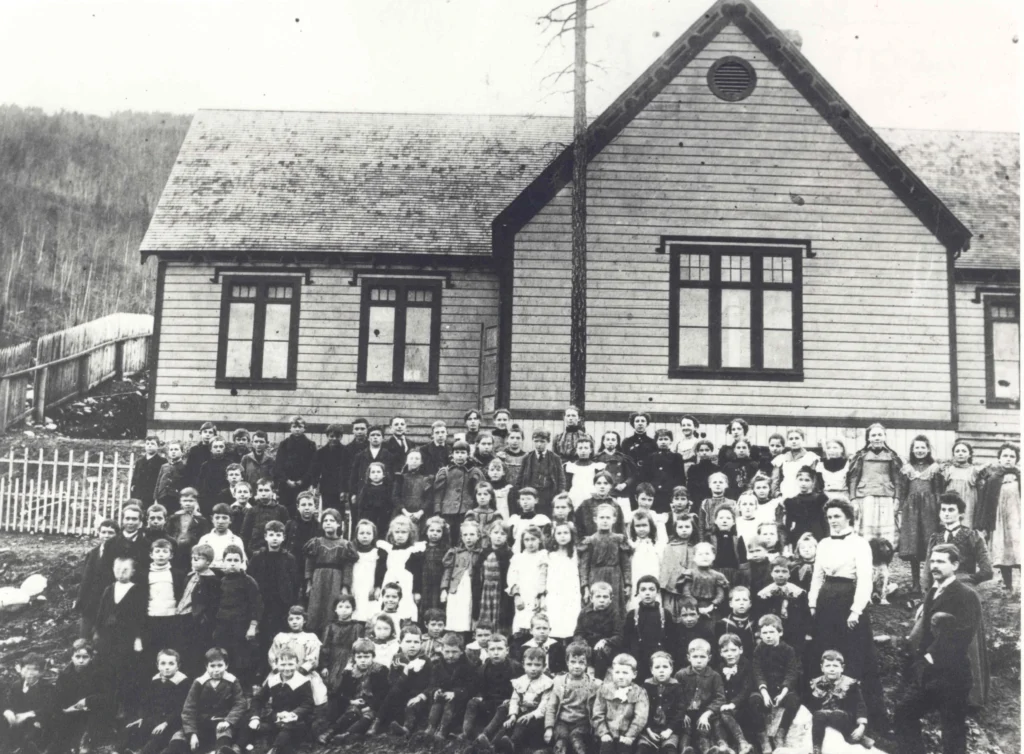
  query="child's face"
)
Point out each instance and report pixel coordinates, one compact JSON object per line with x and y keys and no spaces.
{"x":398,"y":426}
{"x":661,"y":669}
{"x":359,"y":431}
{"x":739,"y":603}
{"x":81,"y":658}
{"x":527,"y":503}
{"x":689,"y":616}
{"x":243,"y":494}
{"x":600,"y":599}
{"x":414,"y":460}
{"x":748,"y":508}
{"x":961,"y":454}
{"x":298,"y":429}
{"x":174,"y":452}
{"x":514,"y":441}
{"x":761,"y":490}
{"x":460,"y":456}
{"x":376,"y":474}
{"x":363,"y":660}
{"x":106,"y":533}
{"x":206,"y":435}
{"x":687,"y":426}
{"x":1007,"y":458}
{"x":435,"y":628}
{"x":330,"y":526}
{"x":375,"y":439}
{"x":642,"y":527}
{"x":704,"y":453}
{"x":434,"y":533}
{"x":199,"y":563}
{"x":530,"y":543}
{"x":698,"y":658}
{"x":795,"y":440}
{"x":286,"y":666}
{"x":604,"y":519}
{"x":382,"y":631}
{"x":577,"y":666}
{"x":166,"y":665}
{"x":216,"y":669}
{"x":501,"y":421}
{"x":498,"y":537}
{"x":400,"y":533}
{"x":742,"y":450}
{"x":640,"y":425}
{"x":920,"y":449}
{"x":232,"y":563}
{"x":833,"y":450}
{"x":296,"y":622}
{"x":411,"y":644}
{"x":152,"y":446}
{"x":770,"y":535}
{"x":123,"y":571}
{"x":805,"y":483}
{"x":602,"y":487}
{"x":540,"y":444}
{"x":770,"y":635}
{"x":481,"y":636}
{"x":780,"y":575}
{"x":717,"y":485}
{"x":343,"y":610}
{"x":609,"y":442}
{"x":274,"y":540}
{"x":807,"y":549}
{"x":560,"y":510}
{"x":724,"y":520}
{"x":161,"y":556}
{"x":831,"y":669}
{"x":221,"y":522}
{"x":703,"y":556}
{"x":470,"y":536}
{"x":264,"y":492}
{"x":775,"y":446}
{"x":334,"y":439}
{"x":259,"y":444}
{"x":307,"y":508}
{"x":680,"y":504}
{"x":540,"y":630}
{"x":622,"y":675}
{"x":495,"y":471}
{"x":234,"y":477}
{"x":483,"y":498}
{"x":473,"y":422}
{"x":450,"y":653}
{"x":684,"y":528}
{"x":533,"y":668}
{"x":563,"y":536}
{"x":648,"y":593}
{"x":364,"y":534}
{"x":131,"y":521}
{"x":485,"y":445}
{"x":876,"y":438}
{"x":217,"y":448}
{"x":389,"y":600}
{"x":156,"y":519}
{"x":731,"y":653}
{"x":664,"y":442}
{"x":736,"y":431}
{"x":584,"y":449}
{"x":756,"y":552}
{"x":949,"y":514}
{"x":189,"y":505}
{"x":30,"y":673}
{"x":644,"y":501}
{"x":440,"y":434}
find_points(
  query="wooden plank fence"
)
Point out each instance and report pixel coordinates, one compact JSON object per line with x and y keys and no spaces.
{"x":62,"y":491}
{"x":67,"y":364}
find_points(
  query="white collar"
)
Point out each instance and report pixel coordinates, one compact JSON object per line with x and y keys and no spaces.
{"x":175,"y":679}
{"x":940,"y":586}
{"x":274,"y":679}
{"x":205,"y":678}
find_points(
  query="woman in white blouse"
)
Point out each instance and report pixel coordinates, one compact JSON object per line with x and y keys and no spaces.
{"x":839,"y":598}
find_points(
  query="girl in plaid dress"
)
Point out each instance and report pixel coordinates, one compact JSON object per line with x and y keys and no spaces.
{"x":491,"y":605}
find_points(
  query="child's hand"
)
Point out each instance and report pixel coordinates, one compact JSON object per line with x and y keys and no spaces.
{"x":10,"y":717}
{"x":254,"y":724}
{"x":601,"y":644}
{"x":520,"y":605}
{"x":586,"y":594}
{"x":626,"y":741}
{"x":728,"y":707}
{"x":509,"y":722}
{"x":375,"y":595}
{"x":858,"y":733}
{"x":448,"y":695}
{"x":780,"y":697}
{"x":324,"y":673}
{"x":686,"y":722}
{"x":549,"y":733}
{"x":416,"y":598}
{"x":158,"y":729}
{"x":137,"y":646}
{"x":606,"y":739}
{"x":766,"y":698}
{"x":706,"y":610}
{"x":444,"y":596}
{"x":704,"y":722}
{"x":416,"y":700}
{"x":193,"y":742}
{"x":251,"y":633}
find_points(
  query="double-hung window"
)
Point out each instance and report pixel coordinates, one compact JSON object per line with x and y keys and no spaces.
{"x":399,"y":335}
{"x":1002,"y":351}
{"x":735,"y":311}
{"x":259,"y":332}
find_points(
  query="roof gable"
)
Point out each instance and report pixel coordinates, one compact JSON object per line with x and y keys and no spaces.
{"x":778,"y":49}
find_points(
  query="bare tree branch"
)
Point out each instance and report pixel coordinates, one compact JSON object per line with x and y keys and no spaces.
{"x":557,"y":75}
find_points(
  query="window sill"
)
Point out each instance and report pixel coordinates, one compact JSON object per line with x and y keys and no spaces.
{"x":256,"y":384}
{"x":1002,"y":403}
{"x":761,"y":375}
{"x":391,"y":387}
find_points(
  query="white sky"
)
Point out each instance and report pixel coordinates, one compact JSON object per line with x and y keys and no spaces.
{"x":945,"y":64}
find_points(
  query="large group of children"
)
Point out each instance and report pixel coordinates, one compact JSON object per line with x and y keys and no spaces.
{"x":588,"y":594}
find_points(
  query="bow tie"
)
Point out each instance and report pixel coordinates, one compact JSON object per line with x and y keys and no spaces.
{"x":840,"y":536}
{"x":729,"y":671}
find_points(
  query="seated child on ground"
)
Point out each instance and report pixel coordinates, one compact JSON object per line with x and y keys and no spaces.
{"x":836,"y":702}
{"x":738,"y":679}
{"x":567,"y":716}
{"x":620,"y":708}
{"x":703,"y":696}
{"x":776,"y":675}
{"x":492,"y":692}
{"x":540,"y":638}
{"x":160,"y":712}
{"x":598,"y":628}
{"x":451,"y":677}
{"x":212,"y":711}
{"x":408,"y":678}
{"x":665,"y":719}
{"x":282,"y":707}
{"x":27,"y":707}
{"x":364,"y":684}
{"x":524,"y":726}
{"x":81,"y":704}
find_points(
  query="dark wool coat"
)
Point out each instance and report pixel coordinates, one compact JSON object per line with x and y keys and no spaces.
{"x":239,"y":599}
{"x":294,"y":461}
{"x":197,"y":455}
{"x":361,"y":463}
{"x":427,"y":575}
{"x":435,"y":458}
{"x":336,"y":648}
{"x":664,"y":470}
{"x":119,"y":624}
{"x":948,"y":647}
{"x":704,"y":629}
{"x":740,"y":472}
{"x":398,"y":452}
{"x":666,"y":705}
{"x":702,"y":690}
{"x":136,"y":548}
{"x":646,"y":630}
{"x":409,"y":684}
{"x":94,"y":580}
{"x":206,"y":701}
{"x":494,"y":679}
{"x":278,"y":695}
{"x":278,"y":577}
{"x":256,"y":519}
{"x":546,"y":475}
{"x":185,"y":531}
{"x":455,"y":489}
{"x":213,"y":484}
{"x":623,"y":470}
{"x":163,"y":700}
{"x":457,"y":676}
{"x":254,"y":469}
{"x":806,"y":513}
{"x":91,"y":683}
{"x":639,"y":448}
{"x":170,"y":481}
{"x":330,"y":472}
{"x":413,"y":491}
{"x":144,"y":478}
{"x":776,"y":668}
{"x":739,"y":685}
{"x":39,"y":699}
{"x":297,"y":533}
{"x":793,"y":610}
{"x":697,"y":480}
{"x":371,"y":686}
{"x":594,"y":625}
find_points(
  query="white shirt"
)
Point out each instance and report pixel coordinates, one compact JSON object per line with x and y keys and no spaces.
{"x":847,"y":558}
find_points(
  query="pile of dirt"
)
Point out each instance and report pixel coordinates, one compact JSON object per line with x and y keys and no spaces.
{"x":115,"y":410}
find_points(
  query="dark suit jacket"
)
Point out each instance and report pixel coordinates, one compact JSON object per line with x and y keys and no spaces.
{"x":144,"y":477}
{"x":397,"y":452}
{"x":948,"y":646}
{"x":121,"y":547}
{"x":94,"y":581}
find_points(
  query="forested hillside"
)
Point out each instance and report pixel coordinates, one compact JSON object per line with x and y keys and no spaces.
{"x":76,"y":194}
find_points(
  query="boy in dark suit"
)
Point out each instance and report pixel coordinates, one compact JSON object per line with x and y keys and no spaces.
{"x":146,"y":472}
{"x":27,"y":706}
{"x":94,"y":579}
{"x":836,"y":701}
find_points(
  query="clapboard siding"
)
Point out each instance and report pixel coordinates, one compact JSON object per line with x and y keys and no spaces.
{"x":875,"y":299}
{"x":328,"y":354}
{"x":986,"y":426}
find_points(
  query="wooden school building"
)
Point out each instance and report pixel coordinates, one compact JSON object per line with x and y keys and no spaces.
{"x":754,"y":249}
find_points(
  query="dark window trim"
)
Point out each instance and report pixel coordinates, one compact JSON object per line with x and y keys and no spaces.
{"x":396,"y":385}
{"x":991,"y":401}
{"x":794,"y":250}
{"x":259,"y":321}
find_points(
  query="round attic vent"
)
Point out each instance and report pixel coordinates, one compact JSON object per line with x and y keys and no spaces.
{"x":731,"y":78}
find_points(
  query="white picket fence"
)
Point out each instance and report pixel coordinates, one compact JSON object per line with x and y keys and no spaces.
{"x":62,"y":491}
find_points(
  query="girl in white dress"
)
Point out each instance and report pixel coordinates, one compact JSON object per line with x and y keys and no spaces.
{"x":564,"y":600}
{"x":833,"y":470}
{"x":527,"y":579}
{"x":400,"y":545}
{"x":582,"y":470}
{"x":368,"y":571}
{"x":647,"y":547}
{"x":457,"y":582}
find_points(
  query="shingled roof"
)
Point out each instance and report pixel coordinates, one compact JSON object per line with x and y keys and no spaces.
{"x":977,"y":175}
{"x":257,"y":182}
